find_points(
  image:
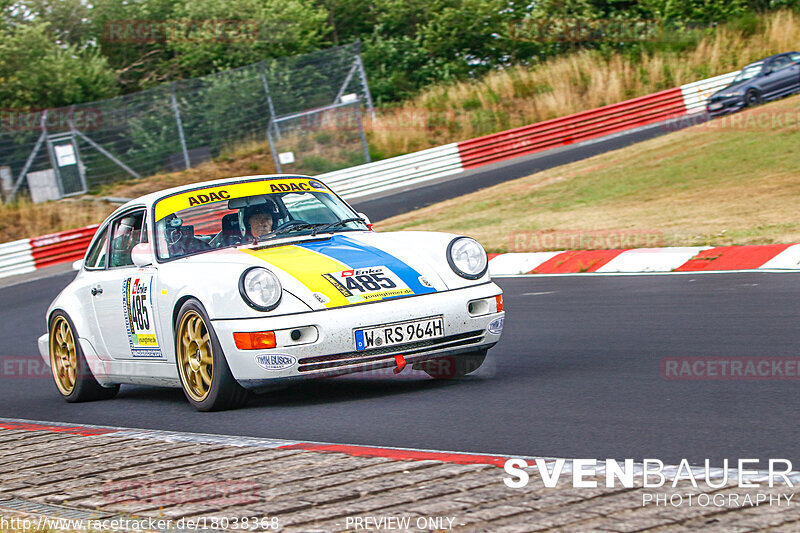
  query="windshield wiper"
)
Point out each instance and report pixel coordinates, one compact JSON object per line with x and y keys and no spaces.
{"x":337,"y":224}
{"x":315,"y":228}
{"x":288,"y":229}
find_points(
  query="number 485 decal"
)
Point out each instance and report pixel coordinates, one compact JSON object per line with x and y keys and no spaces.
{"x":369,"y":282}
{"x":139,"y":318}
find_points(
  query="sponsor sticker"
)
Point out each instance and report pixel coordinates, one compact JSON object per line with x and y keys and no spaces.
{"x":366,"y":284}
{"x":496,"y":326}
{"x":140,"y":321}
{"x":274,"y":361}
{"x":321,"y":298}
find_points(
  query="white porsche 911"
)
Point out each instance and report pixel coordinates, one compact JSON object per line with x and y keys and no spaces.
{"x":233,"y":285}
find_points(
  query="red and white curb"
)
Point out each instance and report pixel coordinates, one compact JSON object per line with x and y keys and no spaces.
{"x":563,"y":465}
{"x":769,"y":257}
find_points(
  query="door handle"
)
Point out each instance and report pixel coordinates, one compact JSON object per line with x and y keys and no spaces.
{"x":97,"y":290}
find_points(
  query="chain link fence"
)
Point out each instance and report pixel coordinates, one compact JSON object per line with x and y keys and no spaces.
{"x":179,"y":125}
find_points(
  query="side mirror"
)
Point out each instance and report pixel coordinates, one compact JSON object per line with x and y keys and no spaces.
{"x":366,"y":218}
{"x":142,"y":254}
{"x":77,"y":265}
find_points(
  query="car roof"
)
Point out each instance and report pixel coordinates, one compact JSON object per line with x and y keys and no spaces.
{"x":765,"y":59}
{"x":149,"y":199}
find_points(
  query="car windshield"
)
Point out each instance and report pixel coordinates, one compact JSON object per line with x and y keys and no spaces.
{"x":750,"y":71}
{"x":248,"y":212}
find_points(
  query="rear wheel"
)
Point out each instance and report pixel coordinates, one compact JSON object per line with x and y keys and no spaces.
{"x":454,"y":366}
{"x":71,"y":373}
{"x":752,"y":98}
{"x":205,"y":376}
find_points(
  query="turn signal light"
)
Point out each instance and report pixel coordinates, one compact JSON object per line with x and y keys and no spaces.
{"x":499,"y":299}
{"x":255,"y":341}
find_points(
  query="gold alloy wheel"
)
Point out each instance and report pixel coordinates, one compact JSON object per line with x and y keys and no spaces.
{"x":195,"y":356}
{"x":63,"y":356}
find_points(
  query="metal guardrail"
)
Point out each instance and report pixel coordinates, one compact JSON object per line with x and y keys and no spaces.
{"x":695,"y":95}
{"x":401,"y":171}
{"x":16,"y":258}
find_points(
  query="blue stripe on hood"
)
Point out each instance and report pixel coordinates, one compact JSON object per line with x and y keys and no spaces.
{"x":360,"y":255}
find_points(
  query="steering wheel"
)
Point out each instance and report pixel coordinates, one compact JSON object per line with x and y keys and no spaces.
{"x":290,"y":223}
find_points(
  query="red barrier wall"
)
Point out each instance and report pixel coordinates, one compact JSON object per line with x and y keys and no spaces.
{"x":62,"y":247}
{"x":581,"y":126}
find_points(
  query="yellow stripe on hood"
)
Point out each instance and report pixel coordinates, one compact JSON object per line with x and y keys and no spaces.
{"x":307,"y":267}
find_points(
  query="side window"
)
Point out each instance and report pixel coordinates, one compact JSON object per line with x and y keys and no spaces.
{"x":126,"y":232}
{"x":779,"y":63}
{"x":96,"y":258}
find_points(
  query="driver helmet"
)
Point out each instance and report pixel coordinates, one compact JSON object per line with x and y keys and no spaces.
{"x":268,"y":208}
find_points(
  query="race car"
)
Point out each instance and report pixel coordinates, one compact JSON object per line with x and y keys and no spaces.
{"x":768,"y":79}
{"x":236,"y":285}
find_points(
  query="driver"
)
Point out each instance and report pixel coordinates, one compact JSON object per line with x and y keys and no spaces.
{"x":260,"y":219}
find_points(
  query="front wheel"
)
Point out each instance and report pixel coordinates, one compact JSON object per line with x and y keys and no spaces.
{"x":454,"y":366}
{"x":205,"y":375}
{"x":752,"y":98}
{"x":71,"y":373}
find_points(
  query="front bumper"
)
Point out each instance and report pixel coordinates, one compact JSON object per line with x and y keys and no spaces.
{"x":726,"y":106}
{"x":330,"y":350}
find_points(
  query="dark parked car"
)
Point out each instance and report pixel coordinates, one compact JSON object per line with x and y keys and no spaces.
{"x":768,"y":79}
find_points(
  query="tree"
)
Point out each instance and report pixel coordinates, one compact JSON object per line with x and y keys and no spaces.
{"x":36,"y":72}
{"x":214,"y":35}
{"x":68,"y":20}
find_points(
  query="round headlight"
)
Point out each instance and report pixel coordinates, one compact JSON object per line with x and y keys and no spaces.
{"x":467,"y":258}
{"x":260,"y":289}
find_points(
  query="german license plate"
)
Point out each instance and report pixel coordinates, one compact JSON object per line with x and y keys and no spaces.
{"x":399,"y":333}
{"x":715,"y":106}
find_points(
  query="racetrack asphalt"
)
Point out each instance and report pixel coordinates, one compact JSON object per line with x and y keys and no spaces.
{"x":576,"y":374}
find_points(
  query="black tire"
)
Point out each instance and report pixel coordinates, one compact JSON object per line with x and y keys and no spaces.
{"x":224,"y":391}
{"x":753,"y":98}
{"x":83,"y":387}
{"x":454,"y":366}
